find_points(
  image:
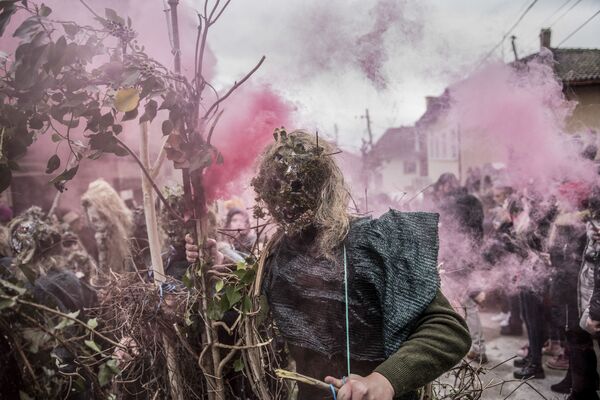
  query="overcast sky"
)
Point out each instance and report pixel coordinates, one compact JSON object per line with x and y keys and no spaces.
{"x":314,"y":51}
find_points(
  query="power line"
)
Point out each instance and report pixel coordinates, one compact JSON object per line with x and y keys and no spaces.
{"x":556,"y":12}
{"x":579,"y":28}
{"x":509,"y":32}
{"x":565,"y":13}
{"x":557,"y":19}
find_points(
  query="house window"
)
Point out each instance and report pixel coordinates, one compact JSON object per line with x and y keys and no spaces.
{"x":410,"y":167}
{"x":444,"y":145}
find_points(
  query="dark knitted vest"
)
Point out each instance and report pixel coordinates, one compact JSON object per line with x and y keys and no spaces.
{"x":392,"y":278}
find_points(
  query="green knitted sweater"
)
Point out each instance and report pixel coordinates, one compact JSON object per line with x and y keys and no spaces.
{"x":438,"y":342}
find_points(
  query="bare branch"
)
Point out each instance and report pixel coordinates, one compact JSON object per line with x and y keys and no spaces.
{"x":90,"y":9}
{"x":252,"y":346}
{"x":214,"y":9}
{"x":156,"y":189}
{"x":227,"y":358}
{"x":159,"y":160}
{"x":220,"y":12}
{"x":234,"y":87}
{"x":212,"y":128}
{"x":61,"y":314}
{"x":198,"y":35}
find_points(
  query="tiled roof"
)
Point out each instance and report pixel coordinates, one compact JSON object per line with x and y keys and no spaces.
{"x":575,"y":66}
{"x":396,"y":142}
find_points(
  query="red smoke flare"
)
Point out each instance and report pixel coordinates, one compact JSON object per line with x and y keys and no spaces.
{"x":245,"y":129}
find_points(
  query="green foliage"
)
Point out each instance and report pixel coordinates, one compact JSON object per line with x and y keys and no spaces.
{"x":233,"y":292}
{"x":65,"y":75}
{"x":107,"y":371}
{"x":45,"y":337}
{"x":238,"y":365}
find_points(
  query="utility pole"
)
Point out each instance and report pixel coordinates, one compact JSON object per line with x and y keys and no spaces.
{"x":369,"y":131}
{"x":513,"y":39}
{"x":336,"y":134}
{"x":366,"y":148}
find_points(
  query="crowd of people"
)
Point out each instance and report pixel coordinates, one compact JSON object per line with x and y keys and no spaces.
{"x":533,"y":254}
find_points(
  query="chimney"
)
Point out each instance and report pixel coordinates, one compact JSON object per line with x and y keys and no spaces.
{"x":545,"y":36}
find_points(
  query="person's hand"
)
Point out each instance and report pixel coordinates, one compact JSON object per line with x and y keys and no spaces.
{"x":592,"y":326}
{"x":372,"y":387}
{"x":210,"y":246}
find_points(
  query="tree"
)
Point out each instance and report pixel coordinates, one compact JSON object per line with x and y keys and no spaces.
{"x":51,"y":86}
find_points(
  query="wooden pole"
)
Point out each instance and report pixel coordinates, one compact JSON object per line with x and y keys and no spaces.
{"x":195,"y":200}
{"x":175,"y":384}
{"x":150,"y":210}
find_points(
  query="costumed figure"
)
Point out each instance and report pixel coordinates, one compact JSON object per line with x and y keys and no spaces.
{"x":402,"y":332}
{"x":41,"y":265}
{"x":113,"y":223}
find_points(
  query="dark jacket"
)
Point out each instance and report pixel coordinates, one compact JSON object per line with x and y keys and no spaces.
{"x":592,"y":258}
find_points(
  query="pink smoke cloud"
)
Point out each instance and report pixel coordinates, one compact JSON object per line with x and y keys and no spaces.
{"x":246,"y":128}
{"x":520,"y":114}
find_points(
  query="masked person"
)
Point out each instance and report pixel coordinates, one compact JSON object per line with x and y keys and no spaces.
{"x":402,"y":332}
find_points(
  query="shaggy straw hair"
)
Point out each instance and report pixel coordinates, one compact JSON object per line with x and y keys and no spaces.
{"x":119,"y":218}
{"x":330,"y":217}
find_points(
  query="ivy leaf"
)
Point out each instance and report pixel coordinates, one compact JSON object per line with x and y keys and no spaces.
{"x":105,"y":121}
{"x":36,"y":122}
{"x":70,"y":29}
{"x":92,"y":323}
{"x":246,"y":304}
{"x":92,"y":345}
{"x":27,"y":28}
{"x":105,"y":374}
{"x":238,"y":365}
{"x":45,"y":10}
{"x":214,"y":310}
{"x":53,"y":164}
{"x":112,"y":364}
{"x":67,"y":175}
{"x":7,"y":9}
{"x":112,"y":15}
{"x":241,"y":265}
{"x":219,"y":286}
{"x":66,"y":321}
{"x":130,"y":115}
{"x":151,"y":108}
{"x":63,"y":324}
{"x":233,"y":295}
{"x":167,"y":127}
{"x":36,"y":338}
{"x":12,"y":286}
{"x":127,"y":99}
{"x":187,"y":280}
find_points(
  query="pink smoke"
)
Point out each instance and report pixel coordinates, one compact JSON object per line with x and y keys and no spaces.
{"x":519,"y":115}
{"x":359,"y":41}
{"x":243,"y":132}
